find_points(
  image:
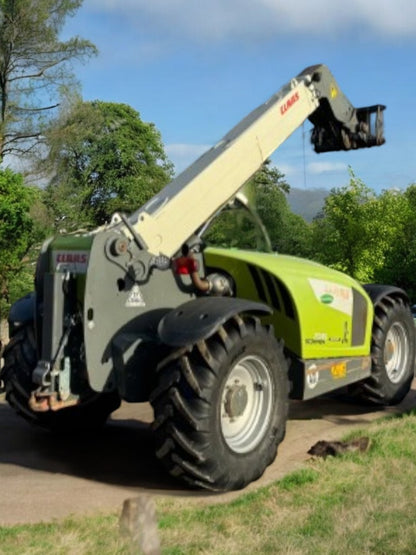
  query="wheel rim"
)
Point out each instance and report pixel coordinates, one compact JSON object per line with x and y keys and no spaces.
{"x":396,"y":352}
{"x":246,"y":404}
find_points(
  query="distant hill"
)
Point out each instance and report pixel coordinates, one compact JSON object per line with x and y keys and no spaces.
{"x":306,"y":202}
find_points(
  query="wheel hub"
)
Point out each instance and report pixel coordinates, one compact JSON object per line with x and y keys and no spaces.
{"x":388,"y":351}
{"x":236,"y":399}
{"x":247,"y":403}
{"x":395,"y":352}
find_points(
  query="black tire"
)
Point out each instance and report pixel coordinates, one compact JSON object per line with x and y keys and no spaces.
{"x":392,"y":354}
{"x":221,"y":408}
{"x":20,"y":359}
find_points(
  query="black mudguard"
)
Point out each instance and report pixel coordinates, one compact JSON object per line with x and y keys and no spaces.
{"x":200,"y":318}
{"x":377,"y":292}
{"x":22,"y":311}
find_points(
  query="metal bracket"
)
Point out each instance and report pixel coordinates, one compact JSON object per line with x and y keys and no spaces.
{"x":42,"y":373}
{"x":45,"y":371}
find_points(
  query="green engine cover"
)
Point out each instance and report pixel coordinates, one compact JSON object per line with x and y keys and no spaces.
{"x":319,"y":312}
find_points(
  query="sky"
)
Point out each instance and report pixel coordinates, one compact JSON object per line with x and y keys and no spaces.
{"x":196,"y":68}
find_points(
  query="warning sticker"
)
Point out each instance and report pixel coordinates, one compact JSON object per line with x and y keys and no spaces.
{"x":135,"y":297}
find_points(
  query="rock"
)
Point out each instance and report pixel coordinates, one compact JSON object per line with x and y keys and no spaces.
{"x":333,"y":448}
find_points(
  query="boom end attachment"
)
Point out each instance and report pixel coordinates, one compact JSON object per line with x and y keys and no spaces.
{"x":364,"y":130}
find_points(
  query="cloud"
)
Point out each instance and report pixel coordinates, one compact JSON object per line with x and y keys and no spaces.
{"x":287,"y":169}
{"x":182,"y":155}
{"x":218,"y":20}
{"x":327,"y":167}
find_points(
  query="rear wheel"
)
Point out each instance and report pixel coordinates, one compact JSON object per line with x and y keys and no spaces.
{"x":20,"y":359}
{"x":221,"y":409}
{"x":392,"y":354}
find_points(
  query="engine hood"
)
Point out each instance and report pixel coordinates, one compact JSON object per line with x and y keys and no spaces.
{"x":320,"y":312}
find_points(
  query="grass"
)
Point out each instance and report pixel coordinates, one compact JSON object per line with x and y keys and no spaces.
{"x":357,"y":503}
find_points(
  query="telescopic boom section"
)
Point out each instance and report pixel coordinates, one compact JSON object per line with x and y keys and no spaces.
{"x":164,"y":223}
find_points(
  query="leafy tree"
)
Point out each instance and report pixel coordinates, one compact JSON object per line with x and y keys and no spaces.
{"x":289,"y":233}
{"x":355,"y":229}
{"x":103,"y":158}
{"x":19,"y":232}
{"x":400,"y":256}
{"x":34,"y":66}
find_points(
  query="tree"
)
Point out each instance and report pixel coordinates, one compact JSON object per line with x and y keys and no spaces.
{"x":18,"y":233}
{"x":34,"y":66}
{"x":103,"y":158}
{"x":400,"y":256}
{"x":289,"y":233}
{"x":355,"y":229}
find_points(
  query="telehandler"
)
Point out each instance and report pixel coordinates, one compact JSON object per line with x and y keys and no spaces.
{"x":217,"y":339}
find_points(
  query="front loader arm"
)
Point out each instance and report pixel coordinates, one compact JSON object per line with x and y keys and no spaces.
{"x":164,"y":223}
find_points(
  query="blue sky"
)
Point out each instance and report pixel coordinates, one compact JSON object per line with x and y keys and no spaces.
{"x":196,"y":68}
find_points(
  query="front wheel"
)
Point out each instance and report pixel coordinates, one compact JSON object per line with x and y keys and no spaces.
{"x":392,"y":354}
{"x":221,"y":409}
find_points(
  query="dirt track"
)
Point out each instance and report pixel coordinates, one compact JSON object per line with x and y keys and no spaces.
{"x":44,"y":477}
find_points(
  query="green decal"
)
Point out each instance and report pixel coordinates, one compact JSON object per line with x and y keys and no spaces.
{"x":327,"y":298}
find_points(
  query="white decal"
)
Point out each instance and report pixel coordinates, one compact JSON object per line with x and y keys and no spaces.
{"x":333,"y":295}
{"x":312,"y":376}
{"x":135,"y":297}
{"x":71,"y":261}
